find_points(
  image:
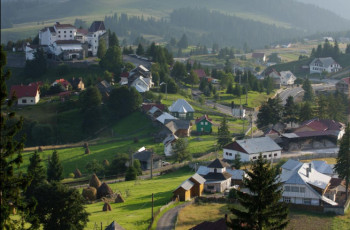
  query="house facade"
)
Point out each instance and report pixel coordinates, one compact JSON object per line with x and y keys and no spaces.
{"x":287,"y":78}
{"x":192,"y":187}
{"x":344,"y":86}
{"x":249,"y":149}
{"x":204,"y":124}
{"x":327,"y":64}
{"x":146,"y":157}
{"x":259,"y":56}
{"x":26,"y":94}
{"x":217,"y":179}
{"x":182,"y":110}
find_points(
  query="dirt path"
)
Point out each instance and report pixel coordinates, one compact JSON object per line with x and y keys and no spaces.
{"x":167,"y":221}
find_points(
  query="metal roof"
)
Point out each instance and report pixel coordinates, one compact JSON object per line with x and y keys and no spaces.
{"x":217,"y":163}
{"x":181,"y":105}
{"x":164,"y":117}
{"x":237,"y":174}
{"x":258,"y":145}
{"x":198,"y":178}
{"x":322,"y":167}
{"x":203,"y":170}
{"x":291,"y":164}
{"x":187,"y":185}
{"x":326,"y":62}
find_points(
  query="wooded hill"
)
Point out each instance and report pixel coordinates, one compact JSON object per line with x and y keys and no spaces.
{"x":286,"y":18}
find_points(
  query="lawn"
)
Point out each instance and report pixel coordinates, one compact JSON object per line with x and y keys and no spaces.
{"x":135,"y":213}
{"x":195,"y":214}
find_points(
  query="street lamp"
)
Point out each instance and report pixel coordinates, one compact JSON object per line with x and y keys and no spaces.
{"x":166,"y":89}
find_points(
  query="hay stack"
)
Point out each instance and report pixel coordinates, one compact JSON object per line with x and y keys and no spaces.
{"x":105,"y":163}
{"x":103,"y":191}
{"x":106,"y":207}
{"x":86,"y":145}
{"x":94,"y":181}
{"x":77,"y":173}
{"x":87,"y":151}
{"x":40,"y":149}
{"x":89,"y":193}
{"x":119,"y":199}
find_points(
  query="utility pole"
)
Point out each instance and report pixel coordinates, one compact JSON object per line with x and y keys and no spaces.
{"x":240,"y":99}
{"x":251,"y":124}
{"x":152,"y":207}
{"x":152,"y":168}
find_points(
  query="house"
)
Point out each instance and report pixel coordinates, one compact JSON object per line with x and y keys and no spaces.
{"x":275,"y":76}
{"x":344,"y":86}
{"x":327,"y":64}
{"x":237,"y":176}
{"x":287,"y":78}
{"x":220,"y":224}
{"x":148,"y":106}
{"x":165,"y":116}
{"x":198,"y":185}
{"x":77,"y":83}
{"x":204,"y":124}
{"x":238,"y":112}
{"x":302,"y":184}
{"x":146,"y":157}
{"x":30,"y":50}
{"x":142,"y":84}
{"x":192,"y":187}
{"x":217,"y":179}
{"x":180,"y":128}
{"x":259,"y":56}
{"x":124,"y":78}
{"x":183,"y":192}
{"x":168,"y":144}
{"x":181,"y":109}
{"x":64,"y":83}
{"x":200,"y":73}
{"x":249,"y":149}
{"x":319,"y":125}
{"x":67,"y":49}
{"x":114,"y":226}
{"x":105,"y":88}
{"x":26,"y":94}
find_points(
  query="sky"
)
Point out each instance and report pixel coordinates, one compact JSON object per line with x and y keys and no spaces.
{"x":340,"y":7}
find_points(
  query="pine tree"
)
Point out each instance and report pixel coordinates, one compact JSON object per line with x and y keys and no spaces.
{"x":309,"y":93}
{"x":101,"y":51}
{"x":11,"y":183}
{"x":237,"y":161}
{"x":264,"y":211}
{"x":290,"y":112}
{"x":181,"y":152}
{"x":342,"y":167}
{"x":36,"y":171}
{"x":54,"y":169}
{"x":137,"y":166}
{"x":140,"y":51}
{"x":224,"y":136}
{"x":306,"y":112}
{"x":131,"y":174}
{"x":113,"y":40}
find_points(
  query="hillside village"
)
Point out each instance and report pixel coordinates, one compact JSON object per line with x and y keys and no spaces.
{"x":138,"y":134}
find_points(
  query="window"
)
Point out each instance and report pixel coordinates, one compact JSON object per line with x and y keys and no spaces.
{"x":59,"y":31}
{"x":275,"y":154}
{"x":270,"y":155}
{"x":206,"y":123}
{"x":226,"y":153}
{"x":264,"y":156}
{"x":71,"y":36}
{"x":295,"y":189}
{"x":286,"y":199}
{"x":71,"y":31}
{"x":202,"y":123}
{"x":302,"y":189}
{"x":59,"y":36}
{"x":31,"y":100}
{"x":307,"y":201}
{"x":24,"y":101}
{"x":287,"y":188}
{"x":64,"y":31}
{"x":254,"y":158}
{"x":230,"y":154}
{"x":64,"y":35}
{"x":94,"y":35}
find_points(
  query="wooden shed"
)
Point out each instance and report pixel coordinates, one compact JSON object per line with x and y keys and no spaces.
{"x":184,"y":190}
{"x":198,"y":186}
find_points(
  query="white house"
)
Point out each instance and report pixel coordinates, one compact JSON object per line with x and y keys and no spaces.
{"x":26,"y":94}
{"x":302,"y":184}
{"x":165,"y":116}
{"x":318,"y":65}
{"x":49,"y":35}
{"x":287,"y":78}
{"x":142,"y":84}
{"x":30,"y":50}
{"x":217,"y":179}
{"x":249,"y":149}
{"x":168,"y":144}
{"x":239,"y":112}
{"x":68,"y":48}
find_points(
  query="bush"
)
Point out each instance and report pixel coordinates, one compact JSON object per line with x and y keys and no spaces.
{"x":232,"y":194}
{"x":71,"y":175}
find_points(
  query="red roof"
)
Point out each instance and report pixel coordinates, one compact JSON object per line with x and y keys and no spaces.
{"x":204,"y":117}
{"x":258,"y":55}
{"x":63,"y":82}
{"x":67,"y":42}
{"x":235,"y":146}
{"x":38,"y":83}
{"x":346,"y":80}
{"x":322,"y":125}
{"x":200,"y":73}
{"x":24,"y":90}
{"x":147,"y":106}
{"x":82,"y":31}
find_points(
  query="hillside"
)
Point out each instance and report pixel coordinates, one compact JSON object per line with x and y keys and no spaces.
{"x":21,"y":18}
{"x":340,"y":7}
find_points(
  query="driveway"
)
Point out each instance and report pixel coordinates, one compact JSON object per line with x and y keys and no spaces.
{"x":167,"y":221}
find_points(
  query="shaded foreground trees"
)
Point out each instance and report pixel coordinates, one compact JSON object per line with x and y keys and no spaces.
{"x":264,"y":211}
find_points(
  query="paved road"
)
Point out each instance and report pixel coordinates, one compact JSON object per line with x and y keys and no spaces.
{"x":311,"y":151}
{"x":290,"y":92}
{"x":167,"y":221}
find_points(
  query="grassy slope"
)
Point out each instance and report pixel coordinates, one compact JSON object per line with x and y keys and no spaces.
{"x":135,"y":213}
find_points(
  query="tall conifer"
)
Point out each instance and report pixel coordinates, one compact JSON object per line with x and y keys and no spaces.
{"x":54,"y":169}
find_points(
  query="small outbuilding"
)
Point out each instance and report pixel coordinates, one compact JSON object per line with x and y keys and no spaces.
{"x":204,"y":124}
{"x":184,"y":191}
{"x":198,"y":186}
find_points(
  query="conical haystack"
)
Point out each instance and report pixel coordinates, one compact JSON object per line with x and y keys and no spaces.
{"x":87,"y":151}
{"x":77,"y":173}
{"x":119,"y":199}
{"x":106,"y":207}
{"x":105,"y":163}
{"x":85,"y":145}
{"x":89,"y":193}
{"x":103,"y":191}
{"x":95,"y":182}
{"x":40,"y":149}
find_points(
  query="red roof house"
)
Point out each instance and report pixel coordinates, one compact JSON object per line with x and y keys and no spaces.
{"x":26,"y":94}
{"x":63,"y":82}
{"x":200,"y":73}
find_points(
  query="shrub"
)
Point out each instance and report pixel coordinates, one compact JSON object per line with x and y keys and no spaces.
{"x":71,"y":175}
{"x":87,"y":151}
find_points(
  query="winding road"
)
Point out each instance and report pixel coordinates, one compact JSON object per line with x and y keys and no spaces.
{"x":167,"y":221}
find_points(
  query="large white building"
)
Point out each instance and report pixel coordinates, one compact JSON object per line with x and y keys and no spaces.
{"x":249,"y":149}
{"x":67,"y":42}
{"x":327,"y":64}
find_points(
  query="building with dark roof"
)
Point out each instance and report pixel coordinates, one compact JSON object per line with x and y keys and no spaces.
{"x":192,"y":187}
{"x":208,"y":225}
{"x":182,"y":110}
{"x":217,"y":179}
{"x":26,"y":94}
{"x":180,"y":128}
{"x":343,"y":85}
{"x":146,"y":157}
{"x":96,"y":26}
{"x":249,"y":149}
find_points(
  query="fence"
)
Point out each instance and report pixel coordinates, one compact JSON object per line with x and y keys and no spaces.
{"x":340,"y":210}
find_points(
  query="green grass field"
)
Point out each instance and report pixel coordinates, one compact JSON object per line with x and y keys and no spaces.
{"x":135,"y":213}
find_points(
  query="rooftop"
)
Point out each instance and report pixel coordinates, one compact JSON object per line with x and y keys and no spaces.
{"x":254,"y":145}
{"x":24,"y":90}
{"x":180,"y":105}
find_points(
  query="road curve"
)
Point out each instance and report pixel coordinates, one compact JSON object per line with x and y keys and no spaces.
{"x":167,"y":221}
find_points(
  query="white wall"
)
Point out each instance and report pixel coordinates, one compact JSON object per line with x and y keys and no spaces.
{"x":29,"y":100}
{"x":230,"y":155}
{"x":168,"y":150}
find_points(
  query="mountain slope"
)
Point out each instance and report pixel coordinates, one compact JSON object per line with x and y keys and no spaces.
{"x":340,"y":7}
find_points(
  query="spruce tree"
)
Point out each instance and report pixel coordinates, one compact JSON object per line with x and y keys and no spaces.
{"x":224,"y":136}
{"x":36,"y":171}
{"x":102,"y":49}
{"x":140,"y":51}
{"x":290,"y":112}
{"x":181,"y":151}
{"x":342,"y":167}
{"x":237,"y":162}
{"x":131,"y":174}
{"x":262,"y":209}
{"x":54,"y":169}
{"x":306,"y":112}
{"x":11,"y":183}
{"x":309,"y":93}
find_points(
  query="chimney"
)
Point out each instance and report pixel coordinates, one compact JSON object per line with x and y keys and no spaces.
{"x":309,"y":167}
{"x":307,"y":172}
